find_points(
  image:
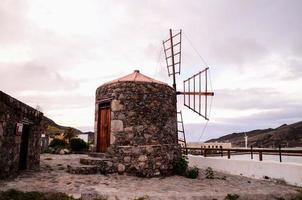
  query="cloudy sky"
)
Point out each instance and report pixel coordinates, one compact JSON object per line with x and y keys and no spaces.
{"x":55,"y":53}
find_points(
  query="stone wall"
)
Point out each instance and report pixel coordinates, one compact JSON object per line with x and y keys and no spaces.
{"x":12,"y":112}
{"x":143,"y":138}
{"x":141,"y":113}
{"x":145,"y":160}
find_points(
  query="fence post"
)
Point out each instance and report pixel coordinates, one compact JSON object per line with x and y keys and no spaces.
{"x":260,"y":155}
{"x":252,"y":157}
{"x":280,"y":156}
{"x":221,"y":151}
{"x":205,"y":152}
{"x":229,"y":154}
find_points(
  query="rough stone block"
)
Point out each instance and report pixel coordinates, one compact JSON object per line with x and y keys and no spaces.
{"x":149,"y":149}
{"x":116,"y":105}
{"x":121,"y":168}
{"x":128,"y":129}
{"x":142,"y":158}
{"x":127,"y":159}
{"x":117,"y":126}
{"x":112,"y":139}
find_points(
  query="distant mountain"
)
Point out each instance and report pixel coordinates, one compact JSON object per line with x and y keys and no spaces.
{"x":52,"y":128}
{"x":285,"y":135}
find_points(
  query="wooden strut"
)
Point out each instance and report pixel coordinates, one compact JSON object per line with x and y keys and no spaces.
{"x":173,"y":64}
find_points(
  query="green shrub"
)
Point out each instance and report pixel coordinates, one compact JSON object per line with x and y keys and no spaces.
{"x":180,"y":165}
{"x":209,"y":173}
{"x":77,"y":144}
{"x":57,"y":143}
{"x":231,"y":197}
{"x":192,"y":172}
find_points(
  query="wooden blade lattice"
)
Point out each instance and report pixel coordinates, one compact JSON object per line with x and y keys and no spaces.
{"x":172,"y":50}
{"x":196,"y":93}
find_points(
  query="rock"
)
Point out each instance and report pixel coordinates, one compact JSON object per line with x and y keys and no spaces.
{"x":141,"y":165}
{"x":66,"y":151}
{"x":117,"y":126}
{"x":121,"y":116}
{"x":147,"y":136}
{"x":121,"y":168}
{"x":121,"y":97}
{"x":116,"y":105}
{"x":109,"y":164}
{"x":62,"y":152}
{"x":127,"y":159}
{"x":142,"y":158}
{"x":149,"y":149}
{"x":128,"y":129}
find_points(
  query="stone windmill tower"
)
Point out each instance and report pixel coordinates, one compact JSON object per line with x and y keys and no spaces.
{"x":136,"y":124}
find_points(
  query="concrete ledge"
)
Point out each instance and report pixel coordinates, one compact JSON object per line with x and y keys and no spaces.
{"x":290,"y":172}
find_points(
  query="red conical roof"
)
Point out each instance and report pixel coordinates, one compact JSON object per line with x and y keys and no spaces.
{"x":136,"y":76}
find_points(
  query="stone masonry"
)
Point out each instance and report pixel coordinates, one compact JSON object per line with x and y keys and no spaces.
{"x":143,"y":134}
{"x":13,"y":116}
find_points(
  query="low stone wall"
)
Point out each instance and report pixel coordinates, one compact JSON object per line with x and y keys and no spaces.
{"x":12,"y":112}
{"x":145,"y":160}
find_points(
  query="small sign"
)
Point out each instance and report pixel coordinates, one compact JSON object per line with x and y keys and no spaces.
{"x":19,"y":129}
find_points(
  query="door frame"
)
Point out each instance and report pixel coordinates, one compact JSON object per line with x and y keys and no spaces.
{"x":105,"y":104}
{"x":24,"y":147}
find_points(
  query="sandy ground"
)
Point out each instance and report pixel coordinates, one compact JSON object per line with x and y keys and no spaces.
{"x":53,"y":177}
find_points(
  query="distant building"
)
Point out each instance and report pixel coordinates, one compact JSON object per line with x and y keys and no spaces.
{"x":209,"y":144}
{"x":225,"y":145}
{"x":20,"y":136}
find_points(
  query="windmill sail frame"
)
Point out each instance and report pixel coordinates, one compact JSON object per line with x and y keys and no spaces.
{"x":193,"y":92}
{"x":172,"y":50}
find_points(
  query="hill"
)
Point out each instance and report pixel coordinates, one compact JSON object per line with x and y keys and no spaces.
{"x":285,"y":135}
{"x":52,"y":128}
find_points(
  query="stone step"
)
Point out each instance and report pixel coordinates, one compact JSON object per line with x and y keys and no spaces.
{"x":97,"y":155}
{"x":94,"y":161}
{"x":82,"y":169}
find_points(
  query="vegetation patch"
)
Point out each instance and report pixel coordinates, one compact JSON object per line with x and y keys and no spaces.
{"x":18,"y":195}
{"x":77,"y":144}
{"x":209,"y":173}
{"x":192,"y":172}
{"x":231,"y":197}
{"x":180,"y":165}
{"x":58,"y":143}
{"x":142,"y":198}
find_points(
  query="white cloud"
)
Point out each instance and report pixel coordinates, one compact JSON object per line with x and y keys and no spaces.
{"x":55,"y":53}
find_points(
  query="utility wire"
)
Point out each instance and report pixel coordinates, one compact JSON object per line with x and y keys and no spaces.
{"x":158,"y":60}
{"x":191,"y":43}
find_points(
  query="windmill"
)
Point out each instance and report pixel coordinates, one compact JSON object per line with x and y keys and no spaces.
{"x":194,"y":95}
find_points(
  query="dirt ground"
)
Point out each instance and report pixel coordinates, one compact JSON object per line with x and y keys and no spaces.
{"x":52,"y":177}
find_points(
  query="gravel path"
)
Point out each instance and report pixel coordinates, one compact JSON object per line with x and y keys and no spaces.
{"x":53,"y":177}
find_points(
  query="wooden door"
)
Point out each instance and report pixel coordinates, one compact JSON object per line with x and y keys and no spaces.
{"x":104,"y":129}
